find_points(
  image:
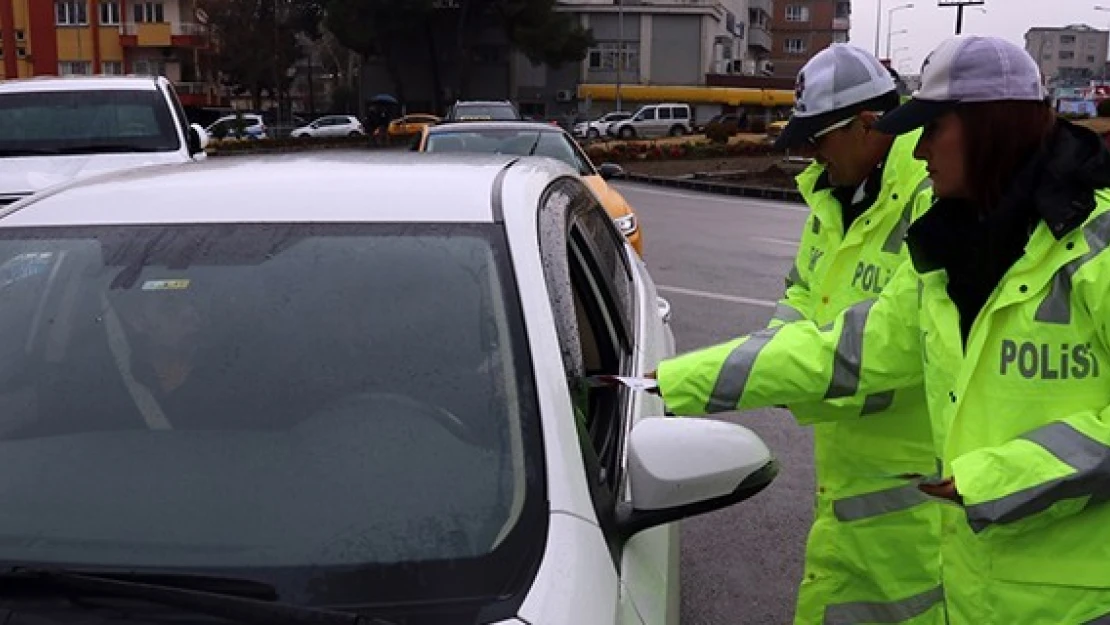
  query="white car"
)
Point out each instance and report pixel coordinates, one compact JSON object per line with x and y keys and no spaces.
{"x":331,"y":126}
{"x":251,"y":126}
{"x":53,"y":130}
{"x":599,"y":127}
{"x":277,"y":393}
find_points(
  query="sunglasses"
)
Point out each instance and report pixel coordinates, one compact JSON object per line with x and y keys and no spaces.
{"x":844,"y":123}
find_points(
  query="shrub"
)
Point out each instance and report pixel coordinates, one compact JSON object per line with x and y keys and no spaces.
{"x":721,"y":133}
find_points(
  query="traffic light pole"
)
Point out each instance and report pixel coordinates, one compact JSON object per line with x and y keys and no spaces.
{"x":959,"y":6}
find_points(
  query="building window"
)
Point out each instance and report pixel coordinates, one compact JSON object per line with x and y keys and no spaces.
{"x":20,"y":35}
{"x":21,"y":53}
{"x":1066,"y":55}
{"x":843,"y":10}
{"x":797,"y":13}
{"x":74,"y":68}
{"x":111,"y":68}
{"x":109,"y":12}
{"x":840,"y":36}
{"x":1090,"y":58}
{"x":149,"y":12}
{"x":795,"y":46}
{"x":604,"y":55}
{"x":1067,"y":40}
{"x":71,"y":12}
{"x":149,"y":67}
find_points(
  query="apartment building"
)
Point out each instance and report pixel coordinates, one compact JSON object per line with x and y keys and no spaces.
{"x":1069,"y":56}
{"x":661,"y":42}
{"x":802,"y":28}
{"x":89,"y":37}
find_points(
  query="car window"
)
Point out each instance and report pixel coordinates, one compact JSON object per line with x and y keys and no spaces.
{"x":647,"y":114}
{"x":183,"y":119}
{"x":522,"y":142}
{"x":682,"y":113}
{"x":665,"y":112}
{"x":601,"y":344}
{"x":485,"y":112}
{"x":154,"y":375}
{"x":68,"y":122}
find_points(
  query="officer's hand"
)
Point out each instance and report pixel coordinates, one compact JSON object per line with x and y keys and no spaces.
{"x":945,"y":489}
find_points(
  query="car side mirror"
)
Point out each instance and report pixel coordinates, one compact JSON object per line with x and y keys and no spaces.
{"x":682,"y":467}
{"x":197,"y":139}
{"x":608,"y":171}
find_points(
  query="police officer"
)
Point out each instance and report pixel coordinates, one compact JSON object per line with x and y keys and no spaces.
{"x":873,"y":550}
{"x":1002,"y":313}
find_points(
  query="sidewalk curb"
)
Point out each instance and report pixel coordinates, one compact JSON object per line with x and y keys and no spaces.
{"x":766,"y":193}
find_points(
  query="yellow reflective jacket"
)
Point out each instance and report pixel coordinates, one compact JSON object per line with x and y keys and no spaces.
{"x":1020,"y":414}
{"x":873,"y":552}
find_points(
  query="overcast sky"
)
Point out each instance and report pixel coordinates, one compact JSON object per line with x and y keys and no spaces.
{"x":928,"y":24}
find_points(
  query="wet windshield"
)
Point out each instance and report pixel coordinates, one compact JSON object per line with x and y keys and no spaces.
{"x":346,"y":412}
{"x":550,"y":143}
{"x":86,"y":122}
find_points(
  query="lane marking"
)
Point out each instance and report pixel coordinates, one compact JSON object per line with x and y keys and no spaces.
{"x":724,"y":199}
{"x":735,"y":299}
{"x":787,"y":242}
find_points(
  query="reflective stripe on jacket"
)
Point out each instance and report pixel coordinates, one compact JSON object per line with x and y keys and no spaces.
{"x":874,"y":548}
{"x":1022,"y":415}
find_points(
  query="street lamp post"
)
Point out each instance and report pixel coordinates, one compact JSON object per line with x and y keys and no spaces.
{"x":878,"y":25}
{"x":890,"y":24}
{"x":1099,"y":7}
{"x":891,"y":34}
{"x":620,"y":49}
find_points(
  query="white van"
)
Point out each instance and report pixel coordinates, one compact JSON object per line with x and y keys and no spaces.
{"x":656,"y":120}
{"x":53,"y":130}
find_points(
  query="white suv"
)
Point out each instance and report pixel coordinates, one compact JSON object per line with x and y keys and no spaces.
{"x":53,"y":130}
{"x":655,"y":120}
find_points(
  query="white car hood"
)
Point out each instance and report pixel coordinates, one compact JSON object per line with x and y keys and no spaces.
{"x":30,"y":174}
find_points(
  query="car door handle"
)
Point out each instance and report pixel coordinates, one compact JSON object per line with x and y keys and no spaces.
{"x":664,"y":309}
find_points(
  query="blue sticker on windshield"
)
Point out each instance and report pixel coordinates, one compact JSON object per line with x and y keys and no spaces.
{"x":24,"y":266}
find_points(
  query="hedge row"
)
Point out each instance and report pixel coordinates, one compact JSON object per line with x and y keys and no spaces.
{"x":287,"y":144}
{"x":624,"y":152}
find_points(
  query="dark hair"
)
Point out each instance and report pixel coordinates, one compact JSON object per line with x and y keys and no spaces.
{"x":999,"y":137}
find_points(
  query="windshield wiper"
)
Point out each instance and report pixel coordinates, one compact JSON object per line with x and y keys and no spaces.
{"x":113,"y":148}
{"x":182,"y":591}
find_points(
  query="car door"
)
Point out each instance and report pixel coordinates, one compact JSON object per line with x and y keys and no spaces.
{"x":618,"y":331}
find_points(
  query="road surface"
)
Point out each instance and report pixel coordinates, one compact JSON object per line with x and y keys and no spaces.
{"x":720,"y":261}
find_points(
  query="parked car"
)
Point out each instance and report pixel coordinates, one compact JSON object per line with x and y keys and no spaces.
{"x":382,"y":415}
{"x":331,"y":126}
{"x":239,"y":126}
{"x":470,"y":111}
{"x":599,"y":127}
{"x":53,"y":130}
{"x":411,"y":125}
{"x":538,"y":139}
{"x":655,"y":120}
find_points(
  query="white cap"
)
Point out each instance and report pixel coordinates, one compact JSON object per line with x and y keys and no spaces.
{"x":838,"y":82}
{"x":967,"y":68}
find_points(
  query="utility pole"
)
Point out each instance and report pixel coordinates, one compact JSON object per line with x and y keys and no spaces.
{"x":878,"y":26}
{"x":620,"y":49}
{"x":959,"y":6}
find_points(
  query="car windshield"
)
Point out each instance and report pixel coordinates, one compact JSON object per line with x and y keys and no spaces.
{"x":489,"y":112}
{"x":346,"y":412}
{"x":86,"y":122}
{"x":549,"y":143}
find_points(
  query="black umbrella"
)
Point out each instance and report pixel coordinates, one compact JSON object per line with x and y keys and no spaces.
{"x":383,"y":98}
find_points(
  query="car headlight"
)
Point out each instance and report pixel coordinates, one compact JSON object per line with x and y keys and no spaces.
{"x":627,"y":224}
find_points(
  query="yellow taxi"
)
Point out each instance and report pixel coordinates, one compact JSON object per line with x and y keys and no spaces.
{"x":411,"y":125}
{"x":537,"y":139}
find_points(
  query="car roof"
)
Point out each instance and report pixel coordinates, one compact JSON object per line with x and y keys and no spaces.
{"x":293,"y":188}
{"x":78,"y":83}
{"x":493,"y":125}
